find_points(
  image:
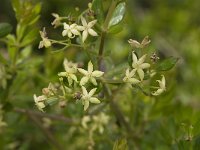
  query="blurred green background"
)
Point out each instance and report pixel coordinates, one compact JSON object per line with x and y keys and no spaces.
{"x":174,"y":29}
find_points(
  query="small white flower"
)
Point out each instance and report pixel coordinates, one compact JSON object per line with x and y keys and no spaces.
{"x":70,"y":70}
{"x":139,"y":65}
{"x":87,"y":28}
{"x":89,"y":75}
{"x":39,"y":101}
{"x":57,"y":21}
{"x":129,"y":77}
{"x":70,"y":30}
{"x":136,"y":44}
{"x":100,"y":120}
{"x":45,"y":41}
{"x":87,"y":97}
{"x":161,"y":88}
{"x":85,"y":121}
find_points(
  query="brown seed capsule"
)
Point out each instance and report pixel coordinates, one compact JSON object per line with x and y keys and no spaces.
{"x":154,"y":58}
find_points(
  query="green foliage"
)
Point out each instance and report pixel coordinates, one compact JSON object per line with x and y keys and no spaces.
{"x":167,"y":64}
{"x":5,"y":29}
{"x":169,"y":121}
{"x":120,"y":144}
{"x":118,"y":14}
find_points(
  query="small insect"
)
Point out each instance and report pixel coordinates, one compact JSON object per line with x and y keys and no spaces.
{"x":154,"y":57}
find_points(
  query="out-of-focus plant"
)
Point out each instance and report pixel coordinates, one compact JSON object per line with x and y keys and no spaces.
{"x":93,"y":89}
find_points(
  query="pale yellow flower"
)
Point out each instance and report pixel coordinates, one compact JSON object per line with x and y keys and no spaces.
{"x":70,"y":70}
{"x":100,"y":120}
{"x":89,"y":75}
{"x":45,"y":41}
{"x":136,"y":44}
{"x":139,"y":65}
{"x":129,"y":77}
{"x":70,"y":30}
{"x":161,"y":88}
{"x":57,"y":21}
{"x":39,"y":101}
{"x":87,"y":28}
{"x":87,"y":97}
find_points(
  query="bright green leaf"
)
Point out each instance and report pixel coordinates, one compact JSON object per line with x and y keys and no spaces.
{"x":118,"y":14}
{"x":167,"y":64}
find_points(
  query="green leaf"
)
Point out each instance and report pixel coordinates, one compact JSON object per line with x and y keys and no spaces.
{"x":5,"y":29}
{"x":29,"y":37}
{"x":2,"y":60}
{"x":51,"y":101}
{"x":97,"y":7}
{"x":120,"y":144}
{"x":167,"y":64}
{"x":196,"y":143}
{"x":118,"y":14}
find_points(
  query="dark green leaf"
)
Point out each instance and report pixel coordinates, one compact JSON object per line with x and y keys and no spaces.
{"x":120,"y":145}
{"x":97,"y":7}
{"x":5,"y":29}
{"x":167,"y":64}
{"x":118,"y":14}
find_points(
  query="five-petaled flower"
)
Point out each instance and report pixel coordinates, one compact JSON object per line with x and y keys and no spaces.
{"x":129,"y":77}
{"x":70,"y":30}
{"x":89,"y":75}
{"x":139,"y":65}
{"x":39,"y":101}
{"x":87,"y":28}
{"x":161,"y":88}
{"x":87,"y":97}
{"x":57,"y":21}
{"x":70,"y":70}
{"x":45,"y":41}
{"x":136,"y":44}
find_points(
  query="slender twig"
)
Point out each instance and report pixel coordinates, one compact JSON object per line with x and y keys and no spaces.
{"x":40,"y":114}
{"x":104,"y":31}
{"x":46,"y":132}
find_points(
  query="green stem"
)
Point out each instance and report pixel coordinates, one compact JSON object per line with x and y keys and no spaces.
{"x":104,"y":31}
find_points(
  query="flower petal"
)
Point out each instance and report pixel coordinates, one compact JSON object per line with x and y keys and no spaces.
{"x":92,"y":92}
{"x":140,"y":73}
{"x":73,"y":77}
{"x":91,"y":24}
{"x":158,"y":92}
{"x":97,"y":73}
{"x":85,"y":93}
{"x":84,"y":35}
{"x":84,"y":72}
{"x":93,"y":80}
{"x":84,"y":80}
{"x":144,"y":65}
{"x":70,"y":81}
{"x":83,"y":21}
{"x":92,"y":32}
{"x":94,"y":100}
{"x":142,"y":59}
{"x":134,"y":58}
{"x":86,"y":104}
{"x":66,"y":26}
{"x":134,"y":81}
{"x":90,"y":67}
{"x":64,"y":33}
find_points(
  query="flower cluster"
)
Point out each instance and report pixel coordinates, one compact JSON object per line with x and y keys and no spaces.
{"x":71,"y":30}
{"x":98,"y":122}
{"x":139,"y":66}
